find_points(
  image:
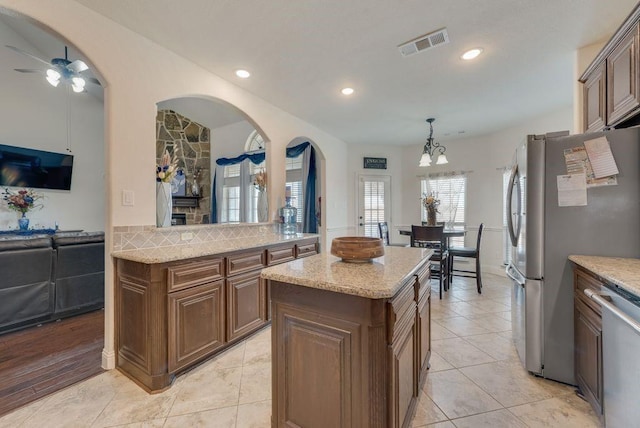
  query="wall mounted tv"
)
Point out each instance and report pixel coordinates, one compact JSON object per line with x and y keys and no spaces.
{"x":20,"y":167}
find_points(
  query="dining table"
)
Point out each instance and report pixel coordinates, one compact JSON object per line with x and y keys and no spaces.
{"x":449,"y":232}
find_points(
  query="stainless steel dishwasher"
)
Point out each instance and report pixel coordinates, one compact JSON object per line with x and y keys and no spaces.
{"x":620,"y":356}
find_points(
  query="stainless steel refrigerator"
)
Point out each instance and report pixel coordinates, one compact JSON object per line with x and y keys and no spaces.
{"x":543,"y":235}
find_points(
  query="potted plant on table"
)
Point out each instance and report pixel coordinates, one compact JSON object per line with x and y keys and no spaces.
{"x":23,"y":201}
{"x":431,"y":203}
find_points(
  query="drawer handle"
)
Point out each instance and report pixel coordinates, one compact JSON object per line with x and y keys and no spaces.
{"x":605,"y":302}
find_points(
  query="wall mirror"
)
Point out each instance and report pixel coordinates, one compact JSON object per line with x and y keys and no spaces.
{"x":221,"y":158}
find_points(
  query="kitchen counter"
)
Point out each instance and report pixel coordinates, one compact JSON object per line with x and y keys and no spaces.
{"x":185,"y":250}
{"x":622,"y":272}
{"x":381,"y":278}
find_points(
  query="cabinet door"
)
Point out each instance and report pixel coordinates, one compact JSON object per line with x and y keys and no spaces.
{"x":196,"y":323}
{"x":245,"y":304}
{"x":588,"y":353}
{"x":403,"y":372}
{"x":594,"y":101}
{"x":622,"y":79}
{"x":424,"y":327}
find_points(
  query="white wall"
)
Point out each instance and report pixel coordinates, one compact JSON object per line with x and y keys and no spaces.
{"x":485,"y":156}
{"x":228,"y":141}
{"x":34,"y":116}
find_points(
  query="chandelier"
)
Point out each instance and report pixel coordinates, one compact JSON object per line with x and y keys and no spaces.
{"x":431,"y":148}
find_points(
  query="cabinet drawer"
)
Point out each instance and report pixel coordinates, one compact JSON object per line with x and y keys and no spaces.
{"x":281,"y":254}
{"x":305,"y":250}
{"x":195,"y":273}
{"x":244,"y":262}
{"x":584,"y":280}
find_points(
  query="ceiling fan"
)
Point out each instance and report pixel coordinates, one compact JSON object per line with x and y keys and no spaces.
{"x":60,"y":70}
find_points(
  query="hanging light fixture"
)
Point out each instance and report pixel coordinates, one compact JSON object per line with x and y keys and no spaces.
{"x":432,"y":148}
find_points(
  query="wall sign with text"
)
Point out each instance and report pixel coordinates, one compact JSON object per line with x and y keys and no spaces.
{"x":375,"y":163}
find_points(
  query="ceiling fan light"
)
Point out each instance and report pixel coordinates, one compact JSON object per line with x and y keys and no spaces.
{"x":77,"y":88}
{"x":53,"y":74}
{"x":78,"y":81}
{"x":52,"y":81}
{"x":442,"y":159}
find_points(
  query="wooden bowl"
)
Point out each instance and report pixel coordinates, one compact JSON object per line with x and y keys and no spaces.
{"x":357,"y":249}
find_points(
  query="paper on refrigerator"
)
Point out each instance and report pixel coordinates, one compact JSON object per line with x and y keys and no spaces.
{"x":572,"y":190}
{"x":601,"y":158}
{"x":577,"y":161}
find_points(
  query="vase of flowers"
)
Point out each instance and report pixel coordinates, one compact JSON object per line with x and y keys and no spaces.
{"x":23,"y":201}
{"x":431,"y":202}
{"x":164,"y":174}
{"x":260,"y":183}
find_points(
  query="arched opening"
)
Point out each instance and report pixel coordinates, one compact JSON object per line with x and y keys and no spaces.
{"x":65,"y":263}
{"x":221,"y":159}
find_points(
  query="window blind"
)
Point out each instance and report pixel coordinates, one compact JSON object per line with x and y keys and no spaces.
{"x":373,"y":207}
{"x":451,"y":190}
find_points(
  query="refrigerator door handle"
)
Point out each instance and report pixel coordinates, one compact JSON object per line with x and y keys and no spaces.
{"x":514,"y":233}
{"x":516,"y":276}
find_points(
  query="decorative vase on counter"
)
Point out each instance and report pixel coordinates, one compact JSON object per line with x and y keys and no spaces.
{"x":431,"y":216}
{"x":263,"y":206}
{"x":164,"y":204}
{"x":23,"y":222}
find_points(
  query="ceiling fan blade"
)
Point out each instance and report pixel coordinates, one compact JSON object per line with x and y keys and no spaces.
{"x":20,"y":51}
{"x":77,"y":66}
{"x":28,"y":70}
{"x":92,"y":80}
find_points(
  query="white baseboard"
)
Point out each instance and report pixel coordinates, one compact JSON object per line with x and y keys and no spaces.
{"x":108,"y":359}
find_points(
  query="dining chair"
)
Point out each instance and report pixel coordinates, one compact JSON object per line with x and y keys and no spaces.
{"x":433,"y":237}
{"x":471,"y":253}
{"x":383,"y":229}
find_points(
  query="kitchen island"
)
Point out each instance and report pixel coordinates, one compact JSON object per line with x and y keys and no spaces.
{"x":350,"y":341}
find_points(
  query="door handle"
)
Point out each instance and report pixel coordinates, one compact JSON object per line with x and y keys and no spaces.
{"x":605,"y":302}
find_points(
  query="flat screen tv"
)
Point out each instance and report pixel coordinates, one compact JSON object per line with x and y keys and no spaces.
{"x":21,"y":167}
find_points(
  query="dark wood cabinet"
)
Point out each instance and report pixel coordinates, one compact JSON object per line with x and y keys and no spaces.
{"x":594,"y":100}
{"x":611,"y":83}
{"x":196,"y":323}
{"x":588,"y":339}
{"x":341,"y":360}
{"x":622,"y":79}
{"x":170,"y":316}
{"x":245,"y":304}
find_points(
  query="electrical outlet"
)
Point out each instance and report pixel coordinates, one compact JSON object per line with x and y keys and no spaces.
{"x":186,"y":236}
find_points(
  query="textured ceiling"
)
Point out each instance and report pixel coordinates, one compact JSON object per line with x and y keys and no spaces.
{"x":301,"y":53}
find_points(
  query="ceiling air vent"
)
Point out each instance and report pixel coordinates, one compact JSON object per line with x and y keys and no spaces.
{"x":425,"y":42}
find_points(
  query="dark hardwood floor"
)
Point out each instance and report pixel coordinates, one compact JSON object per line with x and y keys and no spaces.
{"x":40,"y":360}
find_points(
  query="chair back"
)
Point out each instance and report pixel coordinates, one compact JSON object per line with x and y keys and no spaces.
{"x":432,"y":234}
{"x":479,"y":236}
{"x":383,"y":229}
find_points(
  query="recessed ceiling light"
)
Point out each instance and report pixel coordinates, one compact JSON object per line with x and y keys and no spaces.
{"x":347,"y":91}
{"x":471,"y":54}
{"x":243,"y":74}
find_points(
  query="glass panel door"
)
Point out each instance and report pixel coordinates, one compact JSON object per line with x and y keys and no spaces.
{"x":374,"y":200}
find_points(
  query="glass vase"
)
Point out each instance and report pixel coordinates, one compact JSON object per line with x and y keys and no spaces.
{"x":23,"y":222}
{"x":431,"y":216}
{"x":164,"y":204}
{"x":263,"y":206}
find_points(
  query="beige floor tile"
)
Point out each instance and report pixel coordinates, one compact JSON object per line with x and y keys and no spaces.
{"x":489,"y":305}
{"x":439,"y":332}
{"x":154,"y":423}
{"x":460,"y":353}
{"x":218,"y":418}
{"x":498,"y":347}
{"x":462,"y":326}
{"x":445,"y":424}
{"x":426,"y":412}
{"x":491,"y":322}
{"x":232,"y":357}
{"x":257,"y":351}
{"x":465,"y":308}
{"x":497,"y":419}
{"x":208,"y":390}
{"x":567,"y":411}
{"x":256,"y":383}
{"x":508,"y":382}
{"x":442,"y":311}
{"x":456,"y":395}
{"x":505,"y":315}
{"x":254,"y":415}
{"x":124,"y":411}
{"x":18,"y":416}
{"x":437,"y":363}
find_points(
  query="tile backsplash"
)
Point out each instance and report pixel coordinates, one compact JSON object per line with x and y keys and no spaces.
{"x":138,"y":237}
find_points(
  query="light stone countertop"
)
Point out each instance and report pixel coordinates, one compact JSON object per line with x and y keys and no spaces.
{"x":378,"y":279}
{"x":209,"y":248}
{"x":619,"y":271}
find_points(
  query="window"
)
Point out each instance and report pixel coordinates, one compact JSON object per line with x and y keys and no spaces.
{"x":231,"y":194}
{"x":373,"y":212}
{"x":254,"y":142}
{"x":252,"y":215}
{"x":294,"y":180}
{"x":451,"y":191}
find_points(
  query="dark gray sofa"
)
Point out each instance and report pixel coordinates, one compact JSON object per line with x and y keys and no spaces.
{"x":45,"y":278}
